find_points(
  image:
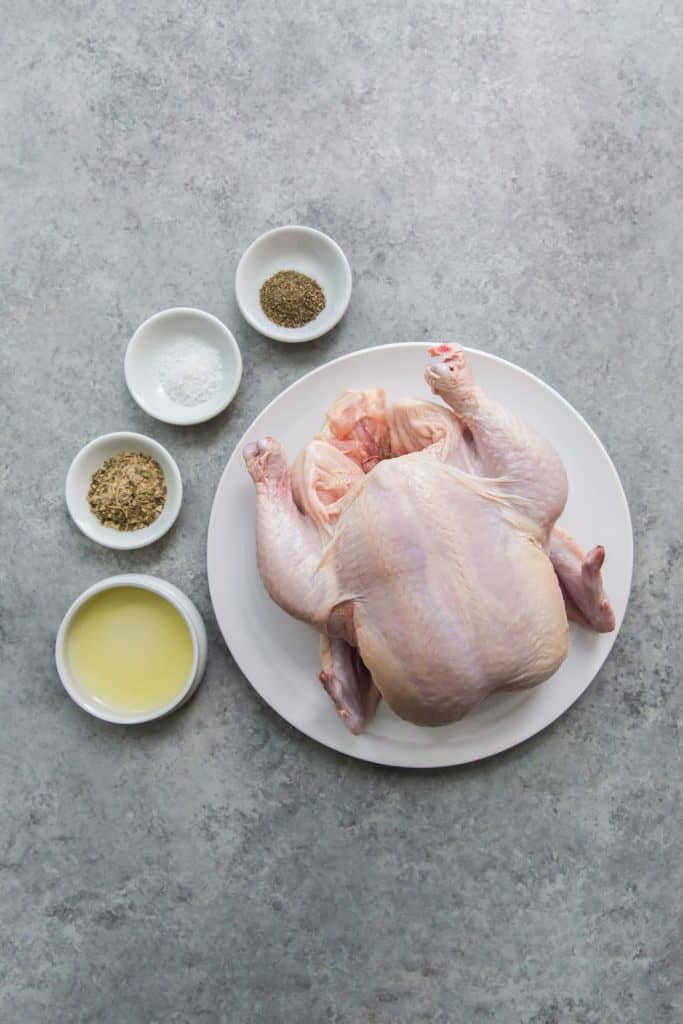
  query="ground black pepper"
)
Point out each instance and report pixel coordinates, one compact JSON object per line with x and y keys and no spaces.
{"x":291,"y":299}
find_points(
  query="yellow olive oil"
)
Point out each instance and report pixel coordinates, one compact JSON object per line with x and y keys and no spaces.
{"x":130,"y":650}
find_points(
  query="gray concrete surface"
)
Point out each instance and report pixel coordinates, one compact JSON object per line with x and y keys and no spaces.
{"x":508,"y":174}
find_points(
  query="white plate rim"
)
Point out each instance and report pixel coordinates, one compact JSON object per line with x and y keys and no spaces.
{"x":506,"y":743}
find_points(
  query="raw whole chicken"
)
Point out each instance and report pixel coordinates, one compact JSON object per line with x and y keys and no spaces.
{"x":420,"y":541}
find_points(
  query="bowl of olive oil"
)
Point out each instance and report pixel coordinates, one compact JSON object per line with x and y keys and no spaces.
{"x":131,"y":648}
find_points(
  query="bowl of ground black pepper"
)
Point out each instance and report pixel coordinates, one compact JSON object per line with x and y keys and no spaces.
{"x":293,"y":284}
{"x":124,"y":490}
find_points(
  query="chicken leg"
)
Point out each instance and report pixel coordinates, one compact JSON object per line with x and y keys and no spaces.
{"x":579,"y":575}
{"x":288,"y":547}
{"x":526,"y":466}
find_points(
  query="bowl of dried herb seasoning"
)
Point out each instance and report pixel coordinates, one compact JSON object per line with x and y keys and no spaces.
{"x":124,"y":490}
{"x":293,"y":284}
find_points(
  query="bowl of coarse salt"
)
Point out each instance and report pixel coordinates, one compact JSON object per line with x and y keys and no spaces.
{"x":183,"y":366}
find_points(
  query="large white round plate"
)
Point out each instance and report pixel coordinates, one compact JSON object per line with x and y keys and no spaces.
{"x":279,"y":656}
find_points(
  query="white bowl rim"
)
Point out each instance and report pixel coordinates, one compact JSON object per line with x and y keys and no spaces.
{"x":295,"y":335}
{"x":125,"y":540}
{"x":141,"y":581}
{"x":186,"y":421}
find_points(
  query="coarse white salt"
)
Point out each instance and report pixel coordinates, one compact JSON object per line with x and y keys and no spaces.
{"x":190,"y":371}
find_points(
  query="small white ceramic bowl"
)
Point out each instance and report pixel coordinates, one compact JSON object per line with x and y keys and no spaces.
{"x":142,"y":364}
{"x":89,"y":459}
{"x":294,"y":248}
{"x":78,"y":690}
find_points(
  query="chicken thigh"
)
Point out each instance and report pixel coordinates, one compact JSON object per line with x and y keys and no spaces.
{"x":420,"y":542}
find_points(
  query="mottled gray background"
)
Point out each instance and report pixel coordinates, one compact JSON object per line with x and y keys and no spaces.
{"x":507,"y":174}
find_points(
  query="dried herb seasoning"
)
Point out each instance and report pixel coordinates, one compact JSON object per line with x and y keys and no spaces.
{"x":291,"y":299}
{"x":128,"y":492}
